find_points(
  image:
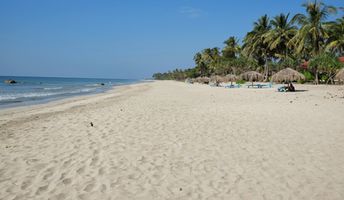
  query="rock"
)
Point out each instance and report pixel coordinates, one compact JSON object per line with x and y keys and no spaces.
{"x":102,"y":83}
{"x":10,"y":81}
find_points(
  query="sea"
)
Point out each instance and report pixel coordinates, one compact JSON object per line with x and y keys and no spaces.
{"x":36,"y":90}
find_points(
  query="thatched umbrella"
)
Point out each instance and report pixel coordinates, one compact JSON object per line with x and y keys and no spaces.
{"x":189,"y":80}
{"x":340,"y":75}
{"x":230,"y":78}
{"x":217,"y":79}
{"x":287,"y":75}
{"x":204,"y":80}
{"x":252,"y":76}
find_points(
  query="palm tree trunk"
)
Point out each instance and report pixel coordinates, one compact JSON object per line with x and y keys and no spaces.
{"x":266,"y":70}
{"x":316,"y":77}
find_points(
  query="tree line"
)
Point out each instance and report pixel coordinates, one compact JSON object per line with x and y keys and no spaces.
{"x":306,"y":42}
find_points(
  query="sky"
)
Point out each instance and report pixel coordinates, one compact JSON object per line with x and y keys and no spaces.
{"x":121,"y":39}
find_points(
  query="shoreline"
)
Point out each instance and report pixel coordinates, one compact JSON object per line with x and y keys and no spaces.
{"x":29,"y":91}
{"x":62,"y":98}
{"x":171,"y":140}
{"x":68,"y":102}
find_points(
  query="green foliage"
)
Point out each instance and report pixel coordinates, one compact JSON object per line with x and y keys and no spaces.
{"x":177,"y":74}
{"x":324,"y":78}
{"x":255,"y":44}
{"x":310,"y":38}
{"x":279,"y":36}
{"x":335,"y":43}
{"x":240,"y":82}
{"x":308,"y":76}
{"x":231,"y":49}
{"x":288,"y":62}
{"x":325,"y":62}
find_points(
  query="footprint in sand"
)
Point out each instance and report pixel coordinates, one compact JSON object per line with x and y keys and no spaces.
{"x":103,"y":188}
{"x":66,"y":163}
{"x":94,"y":161}
{"x":60,"y":196}
{"x":46,"y":176}
{"x":42,"y":189}
{"x":26,"y":184}
{"x":81,"y":170}
{"x":67,"y":181}
{"x":101,"y":171}
{"x":89,"y":187}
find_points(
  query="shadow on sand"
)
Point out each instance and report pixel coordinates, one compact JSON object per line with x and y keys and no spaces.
{"x":294,"y":91}
{"x":301,"y":90}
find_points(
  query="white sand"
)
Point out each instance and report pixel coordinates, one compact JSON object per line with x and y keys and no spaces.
{"x":169,"y":140}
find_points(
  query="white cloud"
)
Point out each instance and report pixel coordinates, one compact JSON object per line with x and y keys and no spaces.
{"x":191,"y":12}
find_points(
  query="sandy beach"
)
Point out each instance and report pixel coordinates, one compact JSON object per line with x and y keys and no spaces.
{"x":171,"y":140}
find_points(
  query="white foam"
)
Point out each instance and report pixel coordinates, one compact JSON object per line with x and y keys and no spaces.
{"x":52,"y":88}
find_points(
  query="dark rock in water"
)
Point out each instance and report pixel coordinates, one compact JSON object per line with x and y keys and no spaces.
{"x":102,"y":83}
{"x":10,"y":81}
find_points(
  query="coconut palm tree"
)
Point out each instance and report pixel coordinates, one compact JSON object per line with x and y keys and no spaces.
{"x":201,"y":67}
{"x":198,"y":58}
{"x":279,"y":36}
{"x":231,"y":49}
{"x":255,"y":45}
{"x":335,"y":43}
{"x":312,"y":34}
{"x":205,"y":60}
{"x":210,"y":57}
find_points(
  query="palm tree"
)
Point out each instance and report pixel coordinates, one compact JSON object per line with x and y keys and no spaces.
{"x":231,"y":49}
{"x":210,"y":56}
{"x":201,"y":67}
{"x":335,"y":42}
{"x":280,"y":35}
{"x":312,"y":34}
{"x":255,"y":45}
{"x":198,"y":58}
{"x":205,"y":60}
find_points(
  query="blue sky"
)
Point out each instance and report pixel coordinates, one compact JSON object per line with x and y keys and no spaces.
{"x":121,"y":39}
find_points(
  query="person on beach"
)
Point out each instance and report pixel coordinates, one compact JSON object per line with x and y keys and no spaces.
{"x":288,"y":88}
{"x":291,"y":88}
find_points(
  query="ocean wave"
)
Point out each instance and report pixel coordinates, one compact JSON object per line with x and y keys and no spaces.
{"x":94,"y":85}
{"x":24,"y":95}
{"x":52,"y":88}
{"x":7,"y":97}
{"x":30,"y":95}
{"x":83,"y":90}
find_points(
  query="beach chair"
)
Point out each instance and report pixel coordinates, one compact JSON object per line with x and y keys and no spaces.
{"x":282,"y":89}
{"x":233,"y":86}
{"x":266,"y":85}
{"x":260,"y":85}
{"x":212,"y":84}
{"x":254,"y":85}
